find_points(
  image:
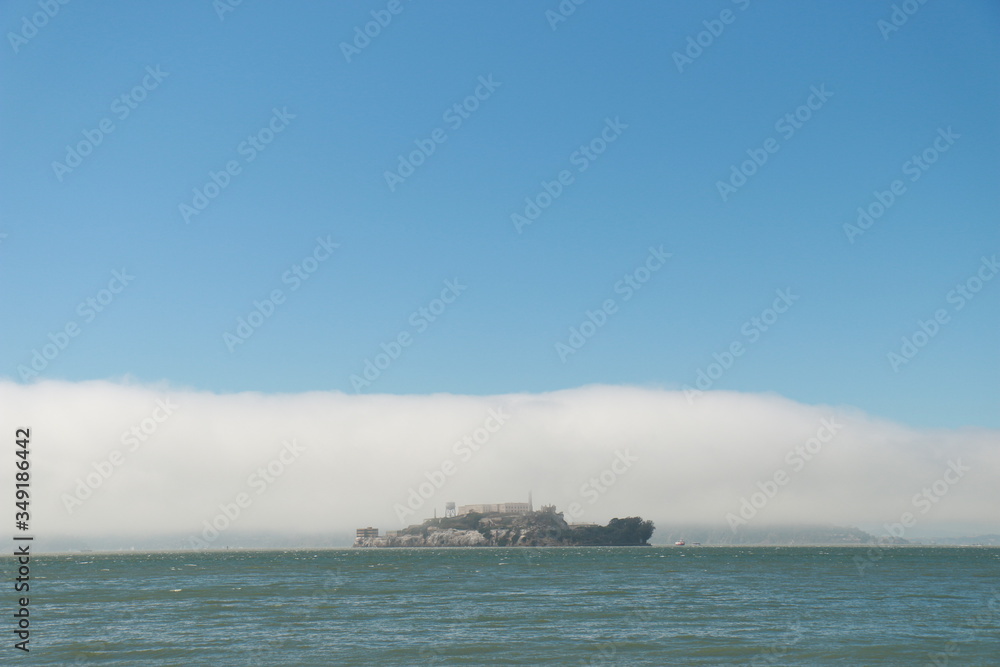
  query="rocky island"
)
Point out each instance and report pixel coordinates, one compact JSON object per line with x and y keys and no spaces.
{"x":500,"y":526}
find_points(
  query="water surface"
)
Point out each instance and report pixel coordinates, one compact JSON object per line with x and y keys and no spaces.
{"x":574,"y":606}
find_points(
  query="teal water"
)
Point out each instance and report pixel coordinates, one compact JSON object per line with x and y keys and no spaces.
{"x":567,"y":606}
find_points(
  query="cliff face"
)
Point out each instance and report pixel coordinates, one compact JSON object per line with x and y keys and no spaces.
{"x":447,"y":537}
{"x":535,"y":529}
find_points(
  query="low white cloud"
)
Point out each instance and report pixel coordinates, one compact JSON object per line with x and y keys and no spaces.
{"x":353,"y":460}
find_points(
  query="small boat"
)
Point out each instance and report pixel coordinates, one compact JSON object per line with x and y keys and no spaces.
{"x":679,"y":543}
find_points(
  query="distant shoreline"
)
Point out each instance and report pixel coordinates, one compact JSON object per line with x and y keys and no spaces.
{"x":671,"y":547}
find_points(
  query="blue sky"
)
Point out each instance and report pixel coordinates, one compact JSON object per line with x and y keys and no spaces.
{"x":554,"y":90}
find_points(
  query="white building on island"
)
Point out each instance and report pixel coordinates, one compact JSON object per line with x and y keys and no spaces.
{"x":498,"y":508}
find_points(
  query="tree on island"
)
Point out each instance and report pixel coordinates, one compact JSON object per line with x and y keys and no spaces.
{"x":619,"y":532}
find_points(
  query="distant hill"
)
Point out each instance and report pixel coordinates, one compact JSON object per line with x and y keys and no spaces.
{"x":794,"y":535}
{"x":978,"y":541}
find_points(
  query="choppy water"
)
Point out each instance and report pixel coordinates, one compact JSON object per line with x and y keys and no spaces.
{"x":588,"y":606}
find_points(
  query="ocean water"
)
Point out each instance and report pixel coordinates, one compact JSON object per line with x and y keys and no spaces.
{"x":515,"y":606}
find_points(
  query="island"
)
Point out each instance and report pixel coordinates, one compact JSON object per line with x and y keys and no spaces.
{"x":508,"y":525}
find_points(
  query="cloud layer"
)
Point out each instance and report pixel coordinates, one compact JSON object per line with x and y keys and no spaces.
{"x":149,"y":461}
